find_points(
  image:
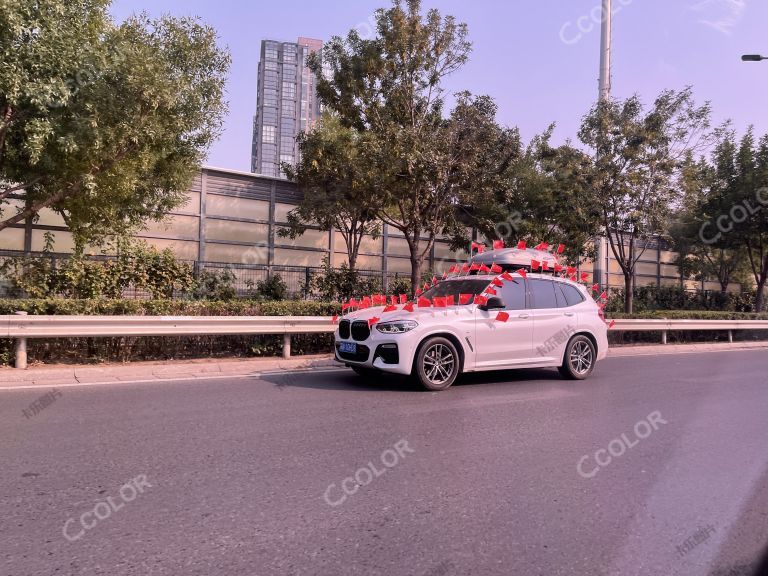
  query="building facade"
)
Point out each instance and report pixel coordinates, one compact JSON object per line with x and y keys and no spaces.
{"x":286,"y":103}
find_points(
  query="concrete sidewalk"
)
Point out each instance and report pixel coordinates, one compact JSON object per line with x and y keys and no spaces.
{"x":202,"y":369}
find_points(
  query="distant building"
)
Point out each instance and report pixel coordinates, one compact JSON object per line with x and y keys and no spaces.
{"x":286,"y":103}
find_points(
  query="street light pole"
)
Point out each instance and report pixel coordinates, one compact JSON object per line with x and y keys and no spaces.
{"x":605,"y":51}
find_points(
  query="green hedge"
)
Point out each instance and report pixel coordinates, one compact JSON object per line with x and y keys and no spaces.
{"x":94,"y":350}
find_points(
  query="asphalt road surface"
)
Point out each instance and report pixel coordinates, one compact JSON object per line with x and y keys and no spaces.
{"x":655,"y":465}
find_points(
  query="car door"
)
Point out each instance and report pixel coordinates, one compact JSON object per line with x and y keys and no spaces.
{"x":505,"y":344}
{"x":553,"y":321}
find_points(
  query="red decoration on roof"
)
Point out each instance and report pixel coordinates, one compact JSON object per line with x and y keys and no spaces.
{"x":403,"y":298}
{"x":491,"y":291}
{"x":484,"y":269}
{"x":390,"y":308}
{"x":508,"y":277}
{"x":522,"y":272}
{"x":424,"y":303}
{"x":465,"y":299}
{"x":408,"y":307}
{"x":439,"y":302}
{"x":521,"y":245}
{"x":481,"y":300}
{"x":498,"y":244}
{"x":535,"y":264}
{"x":497,"y":282}
{"x":558,"y":268}
{"x":495,"y":268}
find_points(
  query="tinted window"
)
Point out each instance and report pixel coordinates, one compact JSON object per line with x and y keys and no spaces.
{"x":513,"y":294}
{"x":559,"y":296}
{"x":572,"y":294}
{"x":543,"y":292}
{"x":456,"y":287}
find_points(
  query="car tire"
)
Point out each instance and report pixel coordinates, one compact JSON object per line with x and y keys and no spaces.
{"x":437,"y":364}
{"x":580,"y":357}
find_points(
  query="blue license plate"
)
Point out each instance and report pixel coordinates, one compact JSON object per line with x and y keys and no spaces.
{"x":349,"y":347}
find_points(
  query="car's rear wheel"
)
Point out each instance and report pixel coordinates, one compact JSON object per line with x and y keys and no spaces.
{"x":437,"y":363}
{"x":580,"y":357}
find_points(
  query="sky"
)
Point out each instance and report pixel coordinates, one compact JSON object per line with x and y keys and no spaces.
{"x":531,"y":57}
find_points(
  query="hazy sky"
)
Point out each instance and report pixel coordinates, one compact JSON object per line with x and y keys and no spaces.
{"x":531,"y":56}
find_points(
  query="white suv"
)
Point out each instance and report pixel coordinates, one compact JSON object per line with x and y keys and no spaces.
{"x":533,"y":322}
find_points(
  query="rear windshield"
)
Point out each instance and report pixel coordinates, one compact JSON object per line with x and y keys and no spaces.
{"x":455,"y":287}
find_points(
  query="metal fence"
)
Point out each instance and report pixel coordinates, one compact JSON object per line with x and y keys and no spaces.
{"x":243,"y":278}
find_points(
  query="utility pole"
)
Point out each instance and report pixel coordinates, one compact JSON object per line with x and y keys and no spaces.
{"x":605,"y":51}
{"x":602,"y":277}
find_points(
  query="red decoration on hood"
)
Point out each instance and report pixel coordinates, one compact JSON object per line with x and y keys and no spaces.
{"x":541,"y":246}
{"x":502,"y":316}
{"x":521,"y":245}
{"x":424,"y":303}
{"x":498,"y":244}
{"x":353,"y":303}
{"x":372,"y":321}
{"x":403,"y":298}
{"x":390,"y":308}
{"x":439,"y":302}
{"x":345,"y":306}
{"x":495,"y":268}
{"x":365,"y":302}
{"x":465,"y":299}
{"x":408,"y":307}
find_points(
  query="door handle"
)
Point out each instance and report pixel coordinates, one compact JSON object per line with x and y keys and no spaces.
{"x":568,"y":313}
{"x":524,"y":316}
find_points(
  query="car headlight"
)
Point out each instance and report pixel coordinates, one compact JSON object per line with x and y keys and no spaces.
{"x":397,"y":327}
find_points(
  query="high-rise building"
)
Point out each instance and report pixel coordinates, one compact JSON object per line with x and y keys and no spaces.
{"x":286,"y":103}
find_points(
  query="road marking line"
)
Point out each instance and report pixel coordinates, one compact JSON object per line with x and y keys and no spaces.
{"x":256,"y":375}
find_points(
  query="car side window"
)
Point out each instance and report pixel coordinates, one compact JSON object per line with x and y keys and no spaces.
{"x":572,"y":294}
{"x":543,"y":292}
{"x":513,"y":295}
{"x":559,"y":296}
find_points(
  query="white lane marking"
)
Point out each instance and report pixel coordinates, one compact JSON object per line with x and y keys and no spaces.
{"x":255,"y":375}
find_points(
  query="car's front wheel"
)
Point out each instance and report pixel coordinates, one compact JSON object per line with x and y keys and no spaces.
{"x":580,"y":357}
{"x":437,"y":363}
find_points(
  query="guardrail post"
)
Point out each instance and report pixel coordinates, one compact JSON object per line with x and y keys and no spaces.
{"x":730,"y":336}
{"x":286,"y":346}
{"x":21,"y":349}
{"x":663,"y":336}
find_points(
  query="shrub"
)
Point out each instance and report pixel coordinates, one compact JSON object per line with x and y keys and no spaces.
{"x":273,"y":288}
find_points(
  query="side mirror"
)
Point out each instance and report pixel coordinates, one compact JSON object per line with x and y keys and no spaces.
{"x":494,"y":303}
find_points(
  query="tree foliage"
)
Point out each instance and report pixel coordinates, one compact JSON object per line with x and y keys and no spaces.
{"x":105,"y":124}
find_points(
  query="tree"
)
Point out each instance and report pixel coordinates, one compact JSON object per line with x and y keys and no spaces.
{"x":390,"y":90}
{"x":636,"y":160}
{"x":331,"y":176}
{"x":104,"y":124}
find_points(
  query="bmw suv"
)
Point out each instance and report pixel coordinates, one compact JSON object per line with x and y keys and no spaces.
{"x":478,"y":323}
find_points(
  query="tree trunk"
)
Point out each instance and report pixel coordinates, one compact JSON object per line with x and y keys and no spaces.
{"x":416,"y":264}
{"x":628,"y":293}
{"x":760,"y":296}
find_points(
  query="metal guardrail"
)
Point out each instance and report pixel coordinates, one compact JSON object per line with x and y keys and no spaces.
{"x":21,"y":327}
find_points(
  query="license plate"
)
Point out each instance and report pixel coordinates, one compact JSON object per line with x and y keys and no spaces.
{"x":349,"y":347}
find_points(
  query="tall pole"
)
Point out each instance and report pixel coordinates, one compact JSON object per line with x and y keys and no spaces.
{"x":605,"y":51}
{"x":602,"y":277}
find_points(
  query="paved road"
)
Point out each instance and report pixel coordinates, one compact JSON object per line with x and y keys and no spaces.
{"x":248,"y":476}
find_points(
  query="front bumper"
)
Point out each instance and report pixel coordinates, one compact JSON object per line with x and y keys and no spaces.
{"x":377,"y":351}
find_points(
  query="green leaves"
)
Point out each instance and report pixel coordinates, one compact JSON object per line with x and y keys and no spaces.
{"x":105,"y":124}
